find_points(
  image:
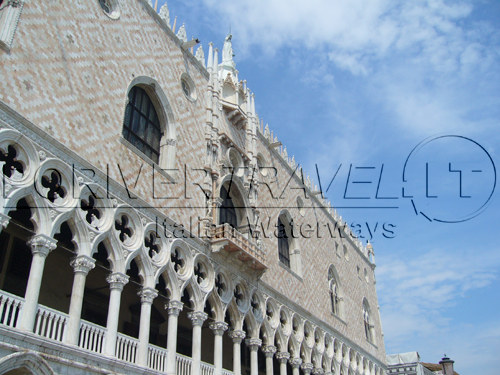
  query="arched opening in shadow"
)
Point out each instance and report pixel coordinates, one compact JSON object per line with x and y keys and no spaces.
{"x":15,"y":254}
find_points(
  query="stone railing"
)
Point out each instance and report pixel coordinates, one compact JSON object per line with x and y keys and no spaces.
{"x":226,"y":237}
{"x":51,"y":324}
{"x":92,"y":337}
{"x":10,"y":309}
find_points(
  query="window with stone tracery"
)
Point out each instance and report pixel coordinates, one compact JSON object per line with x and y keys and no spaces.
{"x":333,"y":289}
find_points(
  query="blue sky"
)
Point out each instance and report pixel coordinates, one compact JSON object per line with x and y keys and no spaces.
{"x":358,"y":83}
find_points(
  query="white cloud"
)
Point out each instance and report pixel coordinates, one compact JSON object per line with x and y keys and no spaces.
{"x":415,"y":294}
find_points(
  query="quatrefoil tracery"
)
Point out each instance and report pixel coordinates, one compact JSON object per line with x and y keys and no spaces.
{"x":199,"y":272}
{"x":12,"y":165}
{"x":54,"y":184}
{"x":151,"y":245}
{"x":219,"y":285}
{"x":177,"y":260}
{"x":93,"y":214}
{"x":122,"y":226}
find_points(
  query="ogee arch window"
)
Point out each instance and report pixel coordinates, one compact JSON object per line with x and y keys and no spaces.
{"x":141,"y":126}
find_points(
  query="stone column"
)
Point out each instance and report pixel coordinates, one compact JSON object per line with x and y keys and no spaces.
{"x":116,"y":282}
{"x":41,"y":246}
{"x":147,"y":296}
{"x":283,"y":357}
{"x":269,"y":351}
{"x":197,"y":318}
{"x":307,"y":368}
{"x":82,"y":265}
{"x":218,"y":328}
{"x":254,"y":345}
{"x":295,"y":363}
{"x":237,"y":337}
{"x":174,"y":309}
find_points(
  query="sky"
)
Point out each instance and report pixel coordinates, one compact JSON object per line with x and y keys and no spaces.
{"x":401,"y":100}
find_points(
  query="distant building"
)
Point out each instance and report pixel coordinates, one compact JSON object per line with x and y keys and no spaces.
{"x":409,"y":364}
{"x":150,"y":222}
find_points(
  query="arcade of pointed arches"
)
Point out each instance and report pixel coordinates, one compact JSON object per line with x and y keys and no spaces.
{"x":79,"y":225}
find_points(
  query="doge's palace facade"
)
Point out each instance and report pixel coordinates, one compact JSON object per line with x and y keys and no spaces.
{"x":150,"y":222}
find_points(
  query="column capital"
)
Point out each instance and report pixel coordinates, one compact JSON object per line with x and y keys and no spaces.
{"x":269,"y":350}
{"x":283,"y":357}
{"x":318,"y":371}
{"x":174,"y":307}
{"x":117,"y":280}
{"x":82,"y":264}
{"x":218,"y":327}
{"x":42,"y":244}
{"x":295,"y":362}
{"x":147,"y":295}
{"x":253,"y":344}
{"x":197,"y":317}
{"x":307,"y":368}
{"x":4,"y":220}
{"x":237,"y":336}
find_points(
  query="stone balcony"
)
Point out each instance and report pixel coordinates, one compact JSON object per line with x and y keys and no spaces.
{"x":226,"y":237}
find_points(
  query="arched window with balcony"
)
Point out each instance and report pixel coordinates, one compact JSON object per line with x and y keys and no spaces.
{"x":227,"y":210}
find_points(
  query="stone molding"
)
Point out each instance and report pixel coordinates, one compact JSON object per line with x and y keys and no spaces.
{"x":318,"y":371}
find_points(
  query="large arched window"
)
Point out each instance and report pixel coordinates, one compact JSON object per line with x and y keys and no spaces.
{"x":141,"y":126}
{"x":227,"y":210}
{"x":283,"y":246}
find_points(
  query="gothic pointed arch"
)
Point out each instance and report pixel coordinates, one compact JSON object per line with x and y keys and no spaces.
{"x":335,"y":292}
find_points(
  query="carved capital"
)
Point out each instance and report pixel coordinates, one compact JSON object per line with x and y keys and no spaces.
{"x":4,"y":220}
{"x":42,"y":244}
{"x":269,"y":351}
{"x":117,"y":280}
{"x":147,"y":295}
{"x":174,"y":307}
{"x":295,"y":362}
{"x":282,"y":357}
{"x":307,"y":368}
{"x":237,"y":336}
{"x":197,"y":317}
{"x":218,"y":327}
{"x":253,"y":344}
{"x":82,"y":264}
{"x":318,"y":371}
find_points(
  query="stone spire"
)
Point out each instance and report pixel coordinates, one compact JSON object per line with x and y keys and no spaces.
{"x":165,"y":14}
{"x":182,"y":34}
{"x":200,"y":55}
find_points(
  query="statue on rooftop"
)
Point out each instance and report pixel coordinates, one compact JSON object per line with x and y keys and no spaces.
{"x":227,"y":50}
